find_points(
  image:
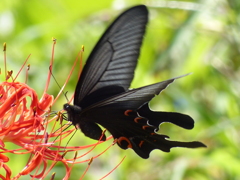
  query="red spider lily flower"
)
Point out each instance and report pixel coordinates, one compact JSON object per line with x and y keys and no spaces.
{"x":24,"y":121}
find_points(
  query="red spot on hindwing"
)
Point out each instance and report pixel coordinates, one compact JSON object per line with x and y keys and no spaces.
{"x":124,"y":142}
{"x":126,"y":113}
{"x":141,"y":143}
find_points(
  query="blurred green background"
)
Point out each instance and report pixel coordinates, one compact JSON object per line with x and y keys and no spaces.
{"x":182,"y":36}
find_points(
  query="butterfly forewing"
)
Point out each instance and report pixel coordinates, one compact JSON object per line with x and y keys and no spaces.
{"x":134,"y":98}
{"x":114,"y":58}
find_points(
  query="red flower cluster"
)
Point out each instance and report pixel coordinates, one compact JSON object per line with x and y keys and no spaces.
{"x":24,"y":121}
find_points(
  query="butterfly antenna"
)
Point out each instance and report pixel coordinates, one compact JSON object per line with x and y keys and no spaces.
{"x":61,"y":89}
{"x":65,"y":94}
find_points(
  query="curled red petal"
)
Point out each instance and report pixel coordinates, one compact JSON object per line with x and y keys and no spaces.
{"x":43,"y":171}
{"x":3,"y":158}
{"x":44,"y":103}
{"x":32,"y":165}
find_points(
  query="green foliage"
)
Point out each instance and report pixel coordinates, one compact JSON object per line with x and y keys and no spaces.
{"x":201,"y":37}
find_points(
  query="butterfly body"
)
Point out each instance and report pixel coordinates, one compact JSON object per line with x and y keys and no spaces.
{"x":103,"y":97}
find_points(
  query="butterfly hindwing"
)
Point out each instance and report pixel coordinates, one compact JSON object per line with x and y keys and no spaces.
{"x":138,"y":129}
{"x":156,"y":118}
{"x":144,"y":145}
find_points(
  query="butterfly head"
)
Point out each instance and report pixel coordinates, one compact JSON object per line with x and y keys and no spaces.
{"x":78,"y":119}
{"x":72,"y":111}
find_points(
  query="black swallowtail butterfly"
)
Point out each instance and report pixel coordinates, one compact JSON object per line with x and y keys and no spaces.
{"x":103,"y":97}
